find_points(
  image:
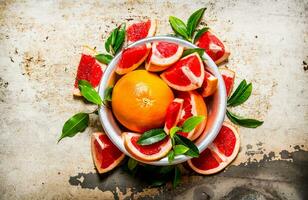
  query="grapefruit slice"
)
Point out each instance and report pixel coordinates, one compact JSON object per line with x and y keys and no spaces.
{"x":228,"y":76}
{"x":88,"y":69}
{"x":193,"y":105}
{"x":173,"y":114}
{"x":141,"y":30}
{"x":186,"y":74}
{"x":150,"y":152}
{"x":209,"y":85}
{"x":213,"y":46}
{"x":105,"y":154}
{"x":163,"y":54}
{"x":220,"y":153}
{"x":132,"y":58}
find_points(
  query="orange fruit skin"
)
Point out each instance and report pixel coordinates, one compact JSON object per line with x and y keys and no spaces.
{"x":140,"y":100}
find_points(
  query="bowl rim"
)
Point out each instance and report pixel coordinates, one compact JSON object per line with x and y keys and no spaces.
{"x":105,"y":112}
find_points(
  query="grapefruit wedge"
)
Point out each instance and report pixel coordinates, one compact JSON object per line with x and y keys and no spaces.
{"x":228,"y":76}
{"x":150,"y":152}
{"x":213,"y":46}
{"x":193,"y":105}
{"x":173,"y":114}
{"x":132,"y":58}
{"x":163,"y":54}
{"x":141,"y":30}
{"x":209,"y":85}
{"x":88,"y":69}
{"x":186,"y":74}
{"x":105,"y":154}
{"x":220,"y":153}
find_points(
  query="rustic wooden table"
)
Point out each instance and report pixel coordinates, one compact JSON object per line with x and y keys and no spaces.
{"x":40,"y":49}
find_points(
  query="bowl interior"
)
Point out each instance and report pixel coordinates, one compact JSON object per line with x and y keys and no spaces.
{"x":216,"y":104}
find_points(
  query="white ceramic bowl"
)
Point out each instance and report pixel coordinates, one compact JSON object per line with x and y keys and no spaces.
{"x":216,"y":104}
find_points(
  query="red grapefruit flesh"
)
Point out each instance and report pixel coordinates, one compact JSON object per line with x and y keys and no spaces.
{"x":186,"y":74}
{"x":105,"y":154}
{"x":88,"y":69}
{"x":228,"y":76}
{"x":173,"y":114}
{"x":150,"y":152}
{"x":141,"y":30}
{"x":209,"y":85}
{"x":163,"y":54}
{"x":193,"y":105}
{"x":132,"y":58}
{"x":213,"y":46}
{"x":220,"y":153}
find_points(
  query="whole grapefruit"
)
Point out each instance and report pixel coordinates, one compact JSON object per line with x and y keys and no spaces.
{"x":140,"y":100}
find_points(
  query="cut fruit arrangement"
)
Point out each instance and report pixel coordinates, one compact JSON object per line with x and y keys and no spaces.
{"x":168,"y":86}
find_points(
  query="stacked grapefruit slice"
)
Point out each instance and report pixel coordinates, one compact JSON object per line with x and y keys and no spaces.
{"x":220,"y":153}
{"x":150,"y":152}
{"x":105,"y":154}
{"x":140,"y":30}
{"x":213,"y":46}
{"x":88,"y":69}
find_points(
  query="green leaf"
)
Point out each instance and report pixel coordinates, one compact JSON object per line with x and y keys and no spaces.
{"x":171,"y":156}
{"x":194,"y":20}
{"x":111,"y":41}
{"x":158,"y":182}
{"x":174,"y":130}
{"x":180,"y":149}
{"x":120,"y":38}
{"x":200,"y":33}
{"x":108,"y":45}
{"x":190,"y":51}
{"x":242,"y":96}
{"x":177,"y":177}
{"x":193,"y":150}
{"x":108,"y":94}
{"x":152,"y":136}
{"x":179,"y":27}
{"x":238,"y":90}
{"x":78,"y":123}
{"x":114,"y":34}
{"x":191,"y":123}
{"x":165,"y":169}
{"x":248,"y":123}
{"x":89,"y":93}
{"x":131,"y":164}
{"x":104,"y":58}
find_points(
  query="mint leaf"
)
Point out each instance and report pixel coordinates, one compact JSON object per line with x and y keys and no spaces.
{"x":191,"y":123}
{"x":180,"y":149}
{"x":152,"y":136}
{"x":241,"y":96}
{"x":77,"y":123}
{"x":171,"y":156}
{"x":194,"y":20}
{"x":174,"y":130}
{"x":177,"y":177}
{"x":190,"y":51}
{"x":248,"y":123}
{"x":103,"y":58}
{"x":131,"y":164}
{"x":200,"y":33}
{"x":193,"y":150}
{"x":89,"y":93}
{"x":179,"y":27}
